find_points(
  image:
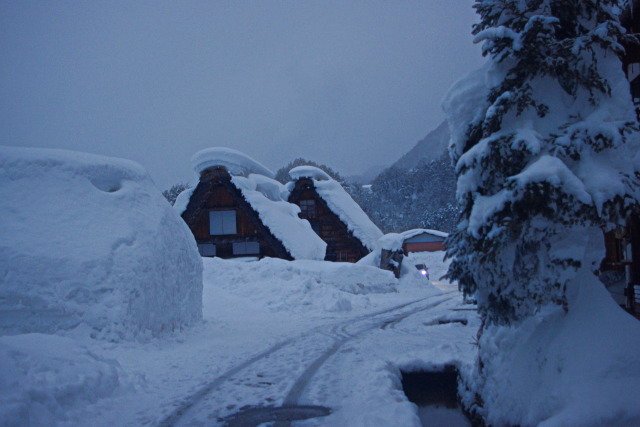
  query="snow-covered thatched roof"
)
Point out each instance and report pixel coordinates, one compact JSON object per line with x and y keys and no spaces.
{"x":234,"y":161}
{"x":268,"y":197}
{"x":341,"y":203}
{"x":265,"y":195}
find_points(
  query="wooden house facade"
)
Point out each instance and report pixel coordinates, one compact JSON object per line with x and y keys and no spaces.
{"x":342,"y":245}
{"x":630,"y":19}
{"x":224,"y":224}
{"x":623,"y":246}
{"x":424,"y":241}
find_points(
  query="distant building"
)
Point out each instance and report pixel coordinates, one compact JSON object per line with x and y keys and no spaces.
{"x":630,"y":19}
{"x":394,"y":247}
{"x":234,"y":212}
{"x":421,"y":240}
{"x":623,"y":246}
{"x":333,"y":214}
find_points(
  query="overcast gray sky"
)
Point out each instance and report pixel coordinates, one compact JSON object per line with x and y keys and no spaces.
{"x":348,"y":83}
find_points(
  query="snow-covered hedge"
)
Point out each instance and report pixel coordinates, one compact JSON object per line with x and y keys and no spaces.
{"x":89,"y":240}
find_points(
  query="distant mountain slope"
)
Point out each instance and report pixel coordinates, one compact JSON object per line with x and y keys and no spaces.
{"x":367,"y":176}
{"x":418,"y":191}
{"x":431,"y":147}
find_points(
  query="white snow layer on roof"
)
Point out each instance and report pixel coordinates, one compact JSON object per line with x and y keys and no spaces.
{"x":341,"y":203}
{"x":90,"y":240}
{"x":182,"y":201}
{"x":308,"y":172}
{"x":234,"y":161}
{"x":269,"y":198}
{"x":394,"y":241}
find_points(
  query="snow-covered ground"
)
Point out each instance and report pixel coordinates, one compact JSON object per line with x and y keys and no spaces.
{"x":274,"y":332}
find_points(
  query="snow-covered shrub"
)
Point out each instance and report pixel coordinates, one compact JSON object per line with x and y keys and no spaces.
{"x":547,"y":155}
{"x":89,"y":240}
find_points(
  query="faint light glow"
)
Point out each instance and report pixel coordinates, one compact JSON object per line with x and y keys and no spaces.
{"x":423,"y":272}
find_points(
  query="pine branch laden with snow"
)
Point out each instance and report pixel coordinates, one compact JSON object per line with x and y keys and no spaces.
{"x":546,"y":147}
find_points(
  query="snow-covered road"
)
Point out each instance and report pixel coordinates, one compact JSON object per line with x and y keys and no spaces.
{"x":316,"y":336}
{"x":281,"y":375}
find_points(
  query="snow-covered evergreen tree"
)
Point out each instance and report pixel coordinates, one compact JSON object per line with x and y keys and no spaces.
{"x":547,"y":152}
{"x":172,"y":193}
{"x":546,"y":148}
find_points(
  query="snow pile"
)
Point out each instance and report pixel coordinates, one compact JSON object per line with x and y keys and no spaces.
{"x":235,"y":162}
{"x":268,"y":197}
{"x":465,"y":103}
{"x":90,"y":240}
{"x":44,"y":376}
{"x":299,"y":286}
{"x":341,"y":203}
{"x":579,"y":368}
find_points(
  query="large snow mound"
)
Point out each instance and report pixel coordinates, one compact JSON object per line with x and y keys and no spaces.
{"x":341,"y":203}
{"x":234,"y":161}
{"x":268,"y":198}
{"x":579,"y":368}
{"x":43,"y":377}
{"x":90,"y":240}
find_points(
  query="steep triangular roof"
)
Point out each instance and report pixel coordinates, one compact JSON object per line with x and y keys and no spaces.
{"x":340,"y":203}
{"x":262,"y":198}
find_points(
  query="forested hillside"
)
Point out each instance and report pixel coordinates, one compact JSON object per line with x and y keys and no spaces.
{"x":420,"y":197}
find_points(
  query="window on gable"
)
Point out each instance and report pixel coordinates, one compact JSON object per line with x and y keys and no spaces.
{"x":308,"y":208}
{"x":246,"y":248}
{"x":222,"y":222}
{"x":207,"y":249}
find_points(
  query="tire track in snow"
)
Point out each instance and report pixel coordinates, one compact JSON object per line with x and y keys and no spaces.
{"x":337,"y":332}
{"x":298,"y":388}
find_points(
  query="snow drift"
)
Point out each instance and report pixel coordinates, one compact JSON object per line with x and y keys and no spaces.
{"x":45,"y":376}
{"x":575,"y":368}
{"x":301,"y":286}
{"x":89,"y":240}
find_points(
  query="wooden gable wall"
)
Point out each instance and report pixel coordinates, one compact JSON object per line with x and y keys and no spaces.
{"x":623,"y":246}
{"x":215,"y":192}
{"x":342,"y":245}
